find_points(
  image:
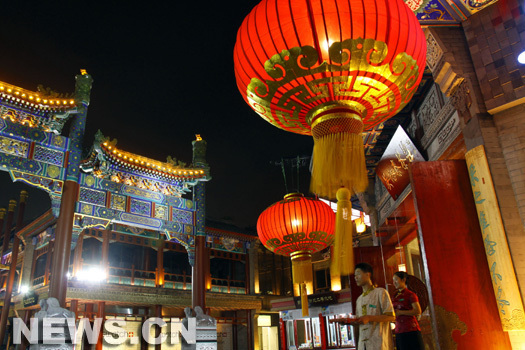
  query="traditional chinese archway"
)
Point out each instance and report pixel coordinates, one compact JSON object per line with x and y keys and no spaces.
{"x":110,"y":186}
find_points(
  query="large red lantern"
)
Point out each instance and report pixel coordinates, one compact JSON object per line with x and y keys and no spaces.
{"x":297,"y":227}
{"x":330,"y":69}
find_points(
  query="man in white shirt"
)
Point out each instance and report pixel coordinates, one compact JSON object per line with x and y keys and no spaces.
{"x":374,"y":311}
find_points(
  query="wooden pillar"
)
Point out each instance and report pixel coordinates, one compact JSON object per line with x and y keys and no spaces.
{"x":208,"y":269}
{"x":2,"y":217}
{"x":453,"y":252}
{"x":105,"y":251}
{"x":12,"y":267}
{"x":198,"y":278}
{"x":160,"y":264}
{"x":101,"y":314}
{"x":247,"y":272}
{"x":49,"y":258}
{"x":146,"y":251}
{"x":64,"y":228}
{"x":254,"y":329}
{"x":254,"y":267}
{"x":282,"y":333}
{"x":8,"y":224}
{"x":322,"y":327}
{"x":33,"y":264}
{"x":158,"y":314}
{"x":63,"y":233}
{"x":27,"y":264}
{"x":249,"y":338}
{"x":27,"y":317}
{"x":88,"y":308}
{"x":77,"y":259}
{"x":235,"y":330}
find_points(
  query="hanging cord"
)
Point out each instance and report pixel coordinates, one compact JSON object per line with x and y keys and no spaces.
{"x":399,"y":243}
{"x":383,"y":261}
{"x":284,"y":175}
{"x":298,"y":188}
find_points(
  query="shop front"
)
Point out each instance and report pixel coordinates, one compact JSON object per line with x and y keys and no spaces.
{"x":318,"y":330}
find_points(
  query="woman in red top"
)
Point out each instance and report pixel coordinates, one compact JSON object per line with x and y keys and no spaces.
{"x":406,"y":308}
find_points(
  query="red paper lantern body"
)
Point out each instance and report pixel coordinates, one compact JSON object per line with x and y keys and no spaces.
{"x":296,"y":225}
{"x":330,"y":67}
{"x":275,"y":26}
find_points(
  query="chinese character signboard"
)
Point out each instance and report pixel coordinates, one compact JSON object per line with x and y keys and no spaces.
{"x":392,"y":169}
{"x":319,"y":299}
{"x":499,"y":260}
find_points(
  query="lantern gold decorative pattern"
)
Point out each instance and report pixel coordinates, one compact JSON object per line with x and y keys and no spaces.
{"x":330,"y":69}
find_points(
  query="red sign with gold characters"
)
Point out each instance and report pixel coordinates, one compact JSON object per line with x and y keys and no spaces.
{"x":392,"y":169}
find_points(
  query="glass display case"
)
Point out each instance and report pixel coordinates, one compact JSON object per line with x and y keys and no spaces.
{"x":316,"y":332}
{"x":340,"y":336}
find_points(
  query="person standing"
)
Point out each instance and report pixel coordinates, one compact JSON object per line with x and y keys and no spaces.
{"x":375,"y":312}
{"x":406,"y":306}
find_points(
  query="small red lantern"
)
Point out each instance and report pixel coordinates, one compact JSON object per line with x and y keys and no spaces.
{"x":330,"y":69}
{"x":297,"y":227}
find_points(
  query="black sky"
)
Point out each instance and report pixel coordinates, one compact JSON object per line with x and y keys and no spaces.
{"x":163,"y":72}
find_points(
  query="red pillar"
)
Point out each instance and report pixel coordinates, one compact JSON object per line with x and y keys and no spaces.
{"x":198,"y":279}
{"x":462,"y":301}
{"x":12,"y":267}
{"x":27,"y":317}
{"x":2,"y":217}
{"x":77,"y":260}
{"x":49,"y":258}
{"x":158,"y":314}
{"x":249,"y":325}
{"x":322,"y":326}
{"x":101,"y":314}
{"x":160,"y":264}
{"x":9,"y":223}
{"x":64,"y":230}
{"x":282,"y":331}
{"x":105,"y":252}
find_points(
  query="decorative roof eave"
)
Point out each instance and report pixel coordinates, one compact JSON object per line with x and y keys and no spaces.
{"x":224,"y":233}
{"x":448,"y":13}
{"x":148,"y":165}
{"x":35,"y":101}
{"x":36,"y":226}
{"x":104,"y":152}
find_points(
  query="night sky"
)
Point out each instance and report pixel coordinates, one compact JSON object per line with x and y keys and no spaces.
{"x":163,"y":72}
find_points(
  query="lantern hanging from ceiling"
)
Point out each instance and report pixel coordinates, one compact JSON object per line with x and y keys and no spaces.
{"x":297,"y":227}
{"x":330,"y":69}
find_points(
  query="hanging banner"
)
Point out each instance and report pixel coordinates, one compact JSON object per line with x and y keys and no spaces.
{"x":392,"y":169}
{"x":501,"y":268}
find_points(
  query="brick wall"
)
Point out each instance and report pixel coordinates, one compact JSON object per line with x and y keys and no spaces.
{"x":511,"y":131}
{"x":495,"y":37}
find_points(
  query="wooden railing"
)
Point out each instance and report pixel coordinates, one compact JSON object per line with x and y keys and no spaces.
{"x":38,"y":281}
{"x":226,"y":285}
{"x":145,"y":278}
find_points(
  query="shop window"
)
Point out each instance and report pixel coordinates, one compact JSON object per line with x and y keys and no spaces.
{"x":322,"y":281}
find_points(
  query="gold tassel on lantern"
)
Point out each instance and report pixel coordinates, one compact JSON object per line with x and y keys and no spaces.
{"x":303,"y":276}
{"x":302,"y":269}
{"x":342,"y":263}
{"x":304,"y":300}
{"x":339,"y":157}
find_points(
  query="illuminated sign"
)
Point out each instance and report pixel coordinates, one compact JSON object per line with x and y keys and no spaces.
{"x":392,"y":169}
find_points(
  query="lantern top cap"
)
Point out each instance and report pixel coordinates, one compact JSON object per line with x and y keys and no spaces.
{"x":293,"y":195}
